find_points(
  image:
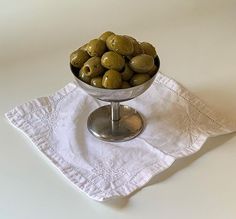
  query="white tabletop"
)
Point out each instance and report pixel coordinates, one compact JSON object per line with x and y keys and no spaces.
{"x":197,"y":46}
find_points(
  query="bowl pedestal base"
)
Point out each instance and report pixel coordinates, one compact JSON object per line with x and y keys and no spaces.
{"x":115,"y":123}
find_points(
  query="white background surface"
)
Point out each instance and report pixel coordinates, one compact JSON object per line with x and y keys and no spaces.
{"x":196,"y":43}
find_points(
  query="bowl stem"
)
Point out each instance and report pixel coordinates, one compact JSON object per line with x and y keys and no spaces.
{"x":115,"y":111}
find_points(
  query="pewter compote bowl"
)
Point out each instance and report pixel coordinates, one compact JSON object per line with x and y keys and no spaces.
{"x":115,"y":122}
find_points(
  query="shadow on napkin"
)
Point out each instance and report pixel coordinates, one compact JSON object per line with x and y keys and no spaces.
{"x":178,"y":165}
{"x":179,"y":123}
{"x":182,"y":163}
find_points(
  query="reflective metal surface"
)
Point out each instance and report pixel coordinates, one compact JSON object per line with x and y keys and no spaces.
{"x":114,"y":122}
{"x":114,"y":95}
{"x":127,"y":127}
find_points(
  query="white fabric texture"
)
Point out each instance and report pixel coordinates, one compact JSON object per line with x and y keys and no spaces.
{"x":177,"y":125}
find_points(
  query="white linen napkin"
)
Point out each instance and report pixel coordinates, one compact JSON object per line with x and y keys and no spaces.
{"x":177,"y":125}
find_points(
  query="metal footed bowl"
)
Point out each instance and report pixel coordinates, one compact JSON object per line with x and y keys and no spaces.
{"x":115,"y":122}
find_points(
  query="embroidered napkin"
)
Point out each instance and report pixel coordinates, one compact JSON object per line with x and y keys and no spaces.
{"x":177,"y":125}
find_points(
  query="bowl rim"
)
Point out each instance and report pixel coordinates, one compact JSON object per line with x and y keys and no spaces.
{"x":156,"y":60}
{"x":116,"y":89}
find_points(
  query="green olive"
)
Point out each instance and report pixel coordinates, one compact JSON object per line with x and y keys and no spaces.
{"x":96,"y":47}
{"x":127,"y":73}
{"x":138,"y":79}
{"x":120,"y":44}
{"x":105,"y":35}
{"x":148,"y":49}
{"x":112,"y":60}
{"x":137,"y":47}
{"x":142,"y":63}
{"x":84,"y":47}
{"x":78,"y":58}
{"x":93,"y":67}
{"x":125,"y":84}
{"x":84,"y":77}
{"x":96,"y":82}
{"x":153,"y":71}
{"x":112,"y":79}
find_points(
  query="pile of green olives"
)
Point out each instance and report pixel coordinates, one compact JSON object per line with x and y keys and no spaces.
{"x":114,"y":61}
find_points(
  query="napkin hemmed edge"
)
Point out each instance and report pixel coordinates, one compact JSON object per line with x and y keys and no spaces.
{"x":76,"y":179}
{"x":226,"y":126}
